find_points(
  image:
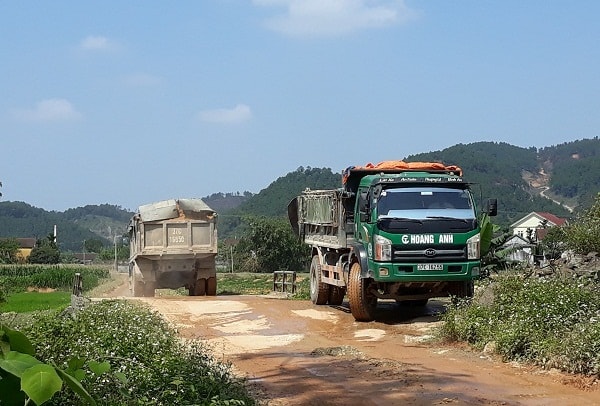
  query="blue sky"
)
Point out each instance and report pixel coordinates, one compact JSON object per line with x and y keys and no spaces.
{"x":132,"y":102}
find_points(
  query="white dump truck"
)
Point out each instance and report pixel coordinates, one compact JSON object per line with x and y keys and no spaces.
{"x":173,"y":244}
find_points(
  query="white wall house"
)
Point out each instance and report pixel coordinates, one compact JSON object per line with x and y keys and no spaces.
{"x":520,"y":250}
{"x":535,"y":221}
{"x":535,"y":224}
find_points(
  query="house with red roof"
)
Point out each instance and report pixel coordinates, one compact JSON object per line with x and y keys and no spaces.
{"x":536,"y":224}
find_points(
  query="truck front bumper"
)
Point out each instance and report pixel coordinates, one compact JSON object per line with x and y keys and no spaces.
{"x":423,"y":272}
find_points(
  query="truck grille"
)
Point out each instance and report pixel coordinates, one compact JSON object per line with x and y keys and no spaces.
{"x":438,"y":253}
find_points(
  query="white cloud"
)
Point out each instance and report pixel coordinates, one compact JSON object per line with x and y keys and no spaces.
{"x":329,"y":18}
{"x":142,"y":80}
{"x":239,"y":113}
{"x":96,"y":43}
{"x":49,"y":110}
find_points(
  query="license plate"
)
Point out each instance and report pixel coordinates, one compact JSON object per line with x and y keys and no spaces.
{"x":430,"y":267}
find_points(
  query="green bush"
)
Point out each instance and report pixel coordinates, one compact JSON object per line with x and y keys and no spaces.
{"x":584,"y":235}
{"x":149,"y":364}
{"x":554,"y":323}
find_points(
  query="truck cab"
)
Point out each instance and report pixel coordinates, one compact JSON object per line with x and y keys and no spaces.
{"x":407,"y":233}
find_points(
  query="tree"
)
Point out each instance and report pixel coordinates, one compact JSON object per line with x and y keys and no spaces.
{"x":45,"y":251}
{"x":93,"y":245}
{"x":9,"y":248}
{"x":584,"y":235}
{"x":269,"y":245}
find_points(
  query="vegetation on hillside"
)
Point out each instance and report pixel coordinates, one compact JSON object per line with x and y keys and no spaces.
{"x":497,"y":169}
{"x":273,"y":200}
{"x":74,"y":226}
{"x":575,"y":169}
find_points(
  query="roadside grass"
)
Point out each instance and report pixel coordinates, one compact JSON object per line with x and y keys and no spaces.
{"x":248,"y":283}
{"x":20,"y":278}
{"x":244,"y":283}
{"x":27,"y":288}
{"x":554,"y":323}
{"x":25,"y":302}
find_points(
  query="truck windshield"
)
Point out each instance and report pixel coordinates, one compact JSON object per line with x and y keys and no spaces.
{"x":424,"y":203}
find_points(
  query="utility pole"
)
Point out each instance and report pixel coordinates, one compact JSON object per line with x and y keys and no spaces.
{"x":116,"y":263}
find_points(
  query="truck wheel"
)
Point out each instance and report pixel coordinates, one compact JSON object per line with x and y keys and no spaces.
{"x":463,"y":289}
{"x":362,"y":303}
{"x":319,"y":291}
{"x":336,"y":295}
{"x":199,"y":288}
{"x":211,"y":286}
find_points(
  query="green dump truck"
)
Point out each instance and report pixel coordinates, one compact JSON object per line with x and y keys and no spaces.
{"x":396,"y":230}
{"x":173,"y":244}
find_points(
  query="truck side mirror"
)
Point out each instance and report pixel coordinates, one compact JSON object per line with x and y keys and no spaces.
{"x":492,"y":207}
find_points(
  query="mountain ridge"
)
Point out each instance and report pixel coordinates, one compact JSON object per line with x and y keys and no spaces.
{"x":559,"y":179}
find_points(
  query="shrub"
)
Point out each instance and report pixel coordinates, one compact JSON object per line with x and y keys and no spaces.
{"x":149,"y":364}
{"x":584,"y":235}
{"x":550,"y":322}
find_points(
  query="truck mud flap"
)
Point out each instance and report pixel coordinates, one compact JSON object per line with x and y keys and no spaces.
{"x":292,"y":210}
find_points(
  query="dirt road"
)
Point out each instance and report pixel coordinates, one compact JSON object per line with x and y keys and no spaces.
{"x":296,"y":353}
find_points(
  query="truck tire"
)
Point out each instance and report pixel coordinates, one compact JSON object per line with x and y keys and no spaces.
{"x":319,"y":291}
{"x":211,"y":286}
{"x":336,"y":295}
{"x":462,"y":289}
{"x":199,"y":288}
{"x":362,"y":303}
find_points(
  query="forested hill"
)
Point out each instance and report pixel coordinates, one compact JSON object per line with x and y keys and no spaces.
{"x":273,"y":200}
{"x":74,"y":226}
{"x":568,"y":173}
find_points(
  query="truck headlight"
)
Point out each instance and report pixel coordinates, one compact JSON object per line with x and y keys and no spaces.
{"x":473,"y":244}
{"x":383,"y":248}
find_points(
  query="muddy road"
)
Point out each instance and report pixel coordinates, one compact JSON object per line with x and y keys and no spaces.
{"x":295,"y":353}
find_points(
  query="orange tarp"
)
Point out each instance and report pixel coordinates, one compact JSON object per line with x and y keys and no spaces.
{"x":400,"y":165}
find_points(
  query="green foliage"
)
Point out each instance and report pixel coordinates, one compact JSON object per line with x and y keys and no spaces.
{"x":136,"y":356}
{"x":93,"y":245}
{"x":17,"y":278}
{"x":23,"y":377}
{"x":9,"y":247}
{"x":244,"y":284}
{"x":44,"y":255}
{"x":553,"y":243}
{"x":584,"y":235}
{"x":269,"y":245}
{"x":548,"y":322}
{"x":45,"y":252}
{"x":108,"y":254}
